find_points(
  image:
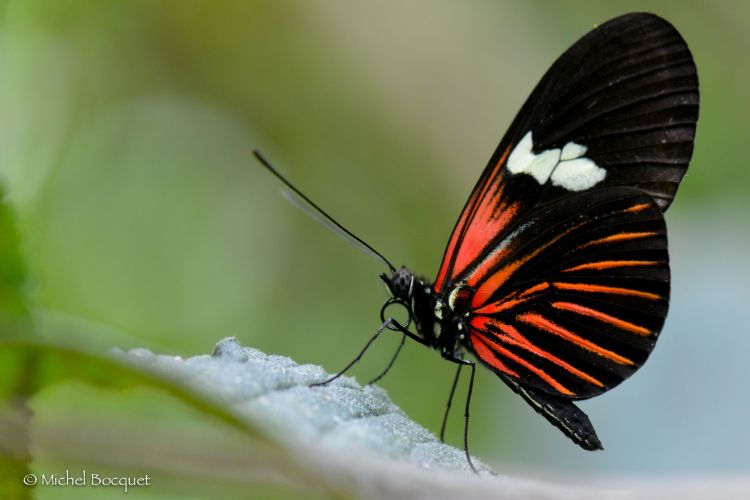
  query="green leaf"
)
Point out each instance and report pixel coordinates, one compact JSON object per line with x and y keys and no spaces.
{"x":39,"y":367}
{"x":14,"y":323}
{"x":14,"y":317}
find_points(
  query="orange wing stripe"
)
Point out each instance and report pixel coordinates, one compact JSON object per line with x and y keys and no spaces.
{"x":609,"y":264}
{"x":585,"y":287}
{"x":619,"y":237}
{"x":606,"y":318}
{"x":637,"y":208}
{"x":514,"y":337}
{"x":491,"y":284}
{"x":543,"y":323}
{"x":485,"y":354}
{"x":535,"y":289}
{"x":500,"y":305}
{"x":538,"y":371}
{"x":494,"y":282}
{"x":512,"y":300}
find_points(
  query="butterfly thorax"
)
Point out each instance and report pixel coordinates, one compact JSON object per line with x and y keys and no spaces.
{"x":439,"y":320}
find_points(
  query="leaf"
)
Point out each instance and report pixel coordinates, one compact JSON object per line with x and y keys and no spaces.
{"x":14,"y":317}
{"x":14,"y":322}
{"x":336,"y":441}
{"x":273,"y":392}
{"x":37,"y":366}
{"x":340,"y":440}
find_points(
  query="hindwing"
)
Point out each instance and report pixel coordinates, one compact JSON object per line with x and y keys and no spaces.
{"x":573,"y":300}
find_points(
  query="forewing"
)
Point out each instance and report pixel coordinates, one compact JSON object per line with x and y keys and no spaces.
{"x":618,"y":108}
{"x":571,"y":302}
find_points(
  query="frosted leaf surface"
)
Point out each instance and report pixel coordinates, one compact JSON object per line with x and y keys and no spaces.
{"x":344,"y":437}
{"x":273,"y":392}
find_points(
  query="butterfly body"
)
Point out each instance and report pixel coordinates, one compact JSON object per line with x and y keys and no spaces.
{"x":440,"y":322}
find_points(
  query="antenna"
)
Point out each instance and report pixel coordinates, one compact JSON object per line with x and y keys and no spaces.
{"x":304,"y":203}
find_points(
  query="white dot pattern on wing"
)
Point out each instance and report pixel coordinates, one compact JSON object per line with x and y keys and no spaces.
{"x":566,"y":167}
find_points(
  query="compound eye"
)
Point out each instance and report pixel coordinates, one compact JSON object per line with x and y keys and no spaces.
{"x":401,"y":283}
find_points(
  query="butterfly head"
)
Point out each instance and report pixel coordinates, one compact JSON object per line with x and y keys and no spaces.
{"x":400,"y":283}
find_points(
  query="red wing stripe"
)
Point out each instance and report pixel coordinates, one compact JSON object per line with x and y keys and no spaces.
{"x":485,"y":354}
{"x":514,"y":337}
{"x":478,"y":198}
{"x":546,"y":325}
{"x":491,"y":222}
{"x":585,"y":287}
{"x":504,"y":352}
{"x":606,"y":318}
{"x":450,"y":251}
{"x":609,"y":264}
{"x":619,"y":237}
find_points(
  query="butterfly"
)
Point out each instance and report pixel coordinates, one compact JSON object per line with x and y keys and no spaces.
{"x":556,"y":275}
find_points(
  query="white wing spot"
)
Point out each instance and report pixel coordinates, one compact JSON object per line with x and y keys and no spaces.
{"x":523,"y":160}
{"x":578,"y":174}
{"x":566,"y":168}
{"x":572,"y":150}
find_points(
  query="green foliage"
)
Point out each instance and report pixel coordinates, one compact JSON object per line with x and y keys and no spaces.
{"x":87,"y":416}
{"x":14,"y":370}
{"x":14,"y":318}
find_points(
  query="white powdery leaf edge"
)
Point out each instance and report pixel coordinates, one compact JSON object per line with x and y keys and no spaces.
{"x":343,"y":434}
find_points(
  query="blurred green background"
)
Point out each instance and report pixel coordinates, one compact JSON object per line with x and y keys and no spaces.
{"x":126,"y":131}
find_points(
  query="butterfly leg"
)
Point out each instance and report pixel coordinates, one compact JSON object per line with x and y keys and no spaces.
{"x":462,"y":362}
{"x":382,"y":327}
{"x":390,"y":364}
{"x":450,"y":401}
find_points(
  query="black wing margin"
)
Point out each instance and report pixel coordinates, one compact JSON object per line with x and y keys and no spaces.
{"x":562,"y":413}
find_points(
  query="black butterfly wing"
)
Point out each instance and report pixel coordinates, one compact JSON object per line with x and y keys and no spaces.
{"x":572,"y":301}
{"x":619,"y":108}
{"x":561,"y":413}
